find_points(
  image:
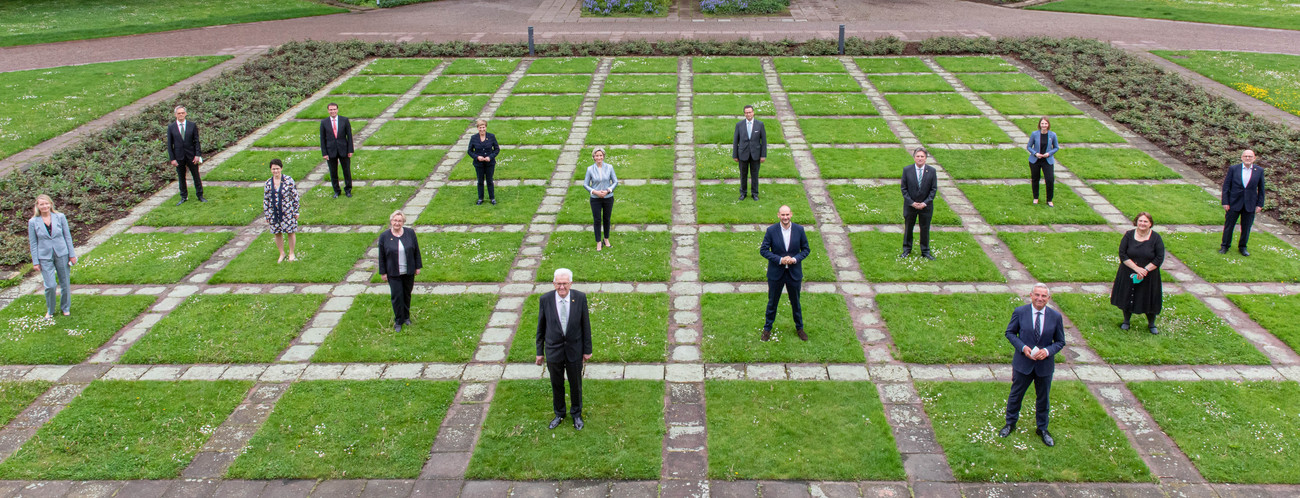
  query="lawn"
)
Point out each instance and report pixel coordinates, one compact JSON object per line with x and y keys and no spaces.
{"x":1001,"y":82}
{"x":763,"y":430}
{"x":957,"y":131}
{"x":531,"y":132}
{"x":882,"y":205}
{"x":1257,"y":13}
{"x":394,"y":165}
{"x":984,"y":163}
{"x":1271,"y":260}
{"x":636,"y":105}
{"x":831,"y":337}
{"x":622,"y":439}
{"x":1168,"y":204}
{"x":147,"y":258}
{"x":127,"y":430}
{"x":982,"y":64}
{"x":231,"y":328}
{"x":513,"y":165}
{"x":299,"y":134}
{"x":733,"y":105}
{"x":322,"y":258}
{"x":563,"y":65}
{"x":432,"y":106}
{"x":837,"y":104}
{"x":352,"y":107}
{"x":723,"y":131}
{"x":641,"y":83}
{"x":1066,"y":257}
{"x":30,"y":339}
{"x":718,"y":204}
{"x":481,"y":66}
{"x":820,"y":83}
{"x":643,"y":65}
{"x":847,"y":131}
{"x":1012,"y":205}
{"x":956,"y":328}
{"x":1089,"y":447}
{"x":632,"y":257}
{"x":659,"y":131}
{"x":1029,"y":104}
{"x":47,"y":22}
{"x":49,"y":102}
{"x":540,"y":105}
{"x":378,"y":429}
{"x":425,"y":132}
{"x":632,"y":205}
{"x":920,"y":104}
{"x":715,"y":163}
{"x":411,"y":66}
{"x":656,"y":163}
{"x":226,"y":206}
{"x":454,"y":205}
{"x":1190,"y":333}
{"x":254,"y":165}
{"x":444,"y":328}
{"x":808,"y":65}
{"x":729,"y":83}
{"x":464,"y":84}
{"x":15,"y":396}
{"x":1074,"y":130}
{"x":892,"y":65}
{"x":958,"y":258}
{"x":553,"y":84}
{"x":1111,"y":164}
{"x":625,"y":328}
{"x":1267,"y":77}
{"x":466,"y":257}
{"x":1275,"y":313}
{"x":726,"y":65}
{"x":367,"y":206}
{"x":910,"y":83}
{"x":734,"y":257}
{"x":862,"y":163}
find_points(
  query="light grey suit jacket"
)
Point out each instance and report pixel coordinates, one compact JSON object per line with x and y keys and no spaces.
{"x":56,"y":242}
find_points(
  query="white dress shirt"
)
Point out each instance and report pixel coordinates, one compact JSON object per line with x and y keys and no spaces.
{"x":785,"y":235}
{"x":1245,"y":175}
{"x":401,"y":258}
{"x":561,"y":306}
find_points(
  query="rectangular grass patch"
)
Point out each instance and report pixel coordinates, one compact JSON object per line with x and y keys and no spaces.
{"x":838,"y":104}
{"x":228,"y":206}
{"x":466,"y":257}
{"x":481,"y":66}
{"x":891,"y":65}
{"x":367,"y":206}
{"x":1074,"y":130}
{"x":1036,"y":104}
{"x":464,"y":84}
{"x":322,"y":258}
{"x":729,"y":83}
{"x":956,"y":328}
{"x":1076,"y":256}
{"x":958,"y":258}
{"x":1001,"y":82}
{"x":632,"y":205}
{"x":513,"y":164}
{"x":985,"y":163}
{"x":917,"y":104}
{"x":454,"y":205}
{"x":422,"y":132}
{"x":820,"y":83}
{"x":1275,"y":313}
{"x":882,"y":205}
{"x":643,"y":65}
{"x":15,"y":396}
{"x":530,"y":131}
{"x":573,"y":83}
{"x":1271,"y":259}
{"x":723,"y":131}
{"x":976,"y":64}
{"x":637,"y":105}
{"x":1190,"y":333}
{"x":147,"y":258}
{"x":958,"y":131}
{"x":299,"y":134}
{"x":656,"y":163}
{"x":255,"y":165}
{"x":443,"y":328}
{"x":715,"y":163}
{"x":30,"y":339}
{"x":540,"y":105}
{"x":394,"y":165}
{"x":352,"y":107}
{"x":734,"y":257}
{"x":658,"y":131}
{"x":726,"y":65}
{"x":432,"y":106}
{"x":730,"y":339}
{"x":1170,"y":204}
{"x":376,"y":85}
{"x":1111,"y":164}
{"x":230,"y":328}
{"x":563,"y":65}
{"x":718,"y":204}
{"x":641,"y":83}
{"x":625,"y":328}
{"x":1013,"y":205}
{"x":861,"y":163}
{"x":808,"y":65}
{"x":633,"y":257}
{"x":732,"y":104}
{"x":847,"y":131}
{"x":910,"y":83}
{"x":401,"y":66}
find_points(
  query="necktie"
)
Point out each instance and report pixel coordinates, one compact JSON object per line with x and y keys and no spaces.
{"x":749,"y":129}
{"x":920,"y":172}
{"x":335,"y":124}
{"x":182,"y":125}
{"x":564,"y":316}
{"x":1038,"y":325}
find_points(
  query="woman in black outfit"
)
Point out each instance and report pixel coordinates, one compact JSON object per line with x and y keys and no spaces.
{"x":399,"y":263}
{"x":483,"y":151}
{"x":1137,"y":283}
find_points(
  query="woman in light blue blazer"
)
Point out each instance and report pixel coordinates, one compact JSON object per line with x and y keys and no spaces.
{"x":52,"y":252}
{"x":1042,"y":157}
{"x":600,"y":181}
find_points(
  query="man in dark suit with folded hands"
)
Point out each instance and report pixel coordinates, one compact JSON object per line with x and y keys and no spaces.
{"x":336,"y":147}
{"x":749,"y":149}
{"x":185,"y":153}
{"x":564,"y":342}
{"x":1242,"y":197}
{"x":1038,"y":334}
{"x":920,"y":184}
{"x":784,"y":246}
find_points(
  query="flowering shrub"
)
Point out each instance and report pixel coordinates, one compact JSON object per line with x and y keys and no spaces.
{"x":744,"y":6}
{"x":617,"y":7}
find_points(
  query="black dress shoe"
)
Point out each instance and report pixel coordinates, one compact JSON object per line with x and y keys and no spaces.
{"x":336,"y":195}
{"x":906,"y":251}
{"x":767,"y":335}
{"x":1046,"y":436}
{"x":1243,"y":250}
{"x":478,"y":202}
{"x":1153,"y":330}
{"x":755,"y":195}
{"x":802,"y":336}
{"x":1223,"y":250}
{"x":577,"y":422}
{"x":201,"y":199}
{"x":493,"y":201}
{"x":927,"y":255}
{"x":182,"y":201}
{"x":742,"y":196}
{"x":406,"y":322}
{"x":397,"y":327}
{"x":348,"y":193}
{"x":1006,"y":430}
{"x":1123,"y":326}
{"x":555,"y":422}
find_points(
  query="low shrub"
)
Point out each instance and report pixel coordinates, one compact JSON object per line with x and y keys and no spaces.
{"x":745,"y":6}
{"x":625,"y":7}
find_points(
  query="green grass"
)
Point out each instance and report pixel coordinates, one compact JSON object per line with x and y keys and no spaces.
{"x":861,"y":163}
{"x":840,"y":104}
{"x":1012,"y":205}
{"x":715,"y":163}
{"x":481,"y":66}
{"x":1274,"y":313}
{"x":226,"y":206}
{"x":15,"y":396}
{"x":378,"y":429}
{"x":657,"y":131}
{"x":299,"y":134}
{"x":820,"y":83}
{"x":634,"y":257}
{"x":1109,"y":164}
{"x":632,"y":205}
{"x":513,"y":165}
{"x":1089,"y":447}
{"x":808,"y":65}
{"x":644,"y":65}
{"x":959,"y":258}
{"x":231,"y":328}
{"x":49,"y":102}
{"x":373,"y":85}
{"x":352,"y":107}
{"x":531,"y":132}
{"x":726,"y":65}
{"x":1271,"y":260}
{"x":625,"y":328}
{"x":984,"y":163}
{"x":882,"y":205}
{"x":147,"y":258}
{"x":1036,"y":104}
{"x":958,"y":131}
{"x":322,"y":258}
{"x":1074,"y":130}
{"x":956,"y":328}
{"x":367,"y":206}
{"x":455,"y":205}
{"x":1190,"y":333}
{"x":734,"y":257}
{"x":553,"y":84}
{"x":1168,"y":204}
{"x":464,"y":84}
{"x":917,"y":104}
{"x":1004,"y":82}
{"x":733,"y":104}
{"x":717,"y":204}
{"x":641,"y":83}
{"x":401,"y":66}
{"x":910,"y":83}
{"x":429,"y":132}
{"x":982,"y":64}
{"x":29,"y":339}
{"x":540,"y":105}
{"x":254,"y":165}
{"x":563,"y":65}
{"x":727,"y":339}
{"x":1075,"y":256}
{"x":433,"y":106}
{"x":762,"y":430}
{"x":892,"y":65}
{"x":1267,"y":77}
{"x":47,"y":22}
{"x":443,"y":329}
{"x":632,"y":163}
{"x":637,"y":105}
{"x":847,"y":131}
{"x":466,"y":257}
{"x":394,"y":164}
{"x":127,"y":430}
{"x":729,"y":83}
{"x":1256,"y":13}
{"x":622,"y":439}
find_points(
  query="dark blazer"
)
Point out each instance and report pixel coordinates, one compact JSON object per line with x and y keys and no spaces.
{"x":922,"y":192}
{"x":747,"y":148}
{"x":184,"y":149}
{"x":487,"y":148}
{"x":1052,"y":146}
{"x":56,"y":242}
{"x":773,"y":248}
{"x":1240,"y":197}
{"x":335,"y":147}
{"x":388,"y":252}
{"x":552,"y":343}
{"x":1021,"y":333}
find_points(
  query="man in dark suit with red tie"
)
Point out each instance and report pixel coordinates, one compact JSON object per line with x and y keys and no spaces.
{"x":920,"y":184}
{"x":564,"y":342}
{"x":1242,"y":196}
{"x":336,"y":147}
{"x":785,"y":246}
{"x":1037,"y":333}
{"x":185,"y":153}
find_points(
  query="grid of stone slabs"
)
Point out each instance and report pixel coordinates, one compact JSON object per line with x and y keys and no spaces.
{"x":685,"y":454}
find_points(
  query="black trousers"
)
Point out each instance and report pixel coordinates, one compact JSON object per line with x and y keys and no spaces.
{"x":558,"y":370}
{"x":1041,"y":168}
{"x":601,"y":209}
{"x":1229,"y":222}
{"x":1042,"y":389}
{"x":910,"y":215}
{"x":181,"y":166}
{"x":399,"y":287}
{"x":485,"y":173}
{"x":749,"y":174}
{"x":334,"y":163}
{"x":791,"y":287}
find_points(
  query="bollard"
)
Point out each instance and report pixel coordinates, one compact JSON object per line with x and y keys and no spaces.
{"x":531,"y":52}
{"x":841,"y":39}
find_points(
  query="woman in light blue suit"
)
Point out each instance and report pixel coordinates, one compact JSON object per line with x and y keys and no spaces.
{"x":52,"y":252}
{"x":1042,"y":157}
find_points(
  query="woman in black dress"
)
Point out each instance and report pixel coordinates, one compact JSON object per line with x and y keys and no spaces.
{"x":1137,"y":283}
{"x":483,"y":150}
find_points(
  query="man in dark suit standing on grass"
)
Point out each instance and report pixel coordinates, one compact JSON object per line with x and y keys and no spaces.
{"x":1037,"y":333}
{"x":920,"y":184}
{"x":1242,"y":197}
{"x":564,"y":342}
{"x":185,"y":153}
{"x":336,"y":147}
{"x":749,"y":149}
{"x":785,"y":246}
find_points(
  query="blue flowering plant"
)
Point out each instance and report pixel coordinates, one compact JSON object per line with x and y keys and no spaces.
{"x":744,"y":6}
{"x":625,"y":7}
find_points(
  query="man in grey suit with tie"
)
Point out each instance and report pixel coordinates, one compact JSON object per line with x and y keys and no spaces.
{"x":749,"y":149}
{"x":1037,"y":333}
{"x":564,"y":342}
{"x":1242,"y":196}
{"x":920,"y":184}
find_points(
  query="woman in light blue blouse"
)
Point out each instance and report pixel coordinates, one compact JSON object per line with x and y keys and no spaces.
{"x":1042,"y":157}
{"x":600,"y":181}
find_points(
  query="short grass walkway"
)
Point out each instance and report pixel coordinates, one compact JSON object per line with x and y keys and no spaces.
{"x":1168,"y":204}
{"x":831,"y":338}
{"x":633,"y":204}
{"x":1267,"y":77}
{"x":632,"y":257}
{"x":1271,"y":259}
{"x":958,"y":258}
{"x":956,"y":328}
{"x":322,"y":258}
{"x":1013,"y":205}
{"x":1190,"y":334}
{"x":465,"y":257}
{"x":882,"y":205}
{"x":625,"y":328}
{"x":231,"y":328}
{"x":443,"y":329}
{"x":1066,"y":257}
{"x":1256,"y":13}
{"x":719,"y":204}
{"x":226,"y":206}
{"x":147,"y":258}
{"x":30,"y":339}
{"x":734,"y":257}
{"x":1275,"y":313}
{"x":15,"y":396}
